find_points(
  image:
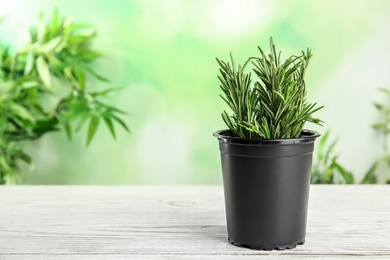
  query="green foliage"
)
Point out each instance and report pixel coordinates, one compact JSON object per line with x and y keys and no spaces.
{"x":383,"y":128}
{"x":371,"y":177}
{"x":327,"y":169}
{"x":275,"y":105}
{"x":54,"y":63}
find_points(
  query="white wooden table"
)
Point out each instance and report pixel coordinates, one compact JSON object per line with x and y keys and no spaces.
{"x":178,"y":222}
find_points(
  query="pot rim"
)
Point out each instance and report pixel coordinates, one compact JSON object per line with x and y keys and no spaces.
{"x":307,"y":136}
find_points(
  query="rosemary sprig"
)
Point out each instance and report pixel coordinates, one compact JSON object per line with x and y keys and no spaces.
{"x":275,"y":105}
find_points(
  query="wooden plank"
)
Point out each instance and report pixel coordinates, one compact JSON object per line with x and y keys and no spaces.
{"x":177,"y":222}
{"x":192,"y":257}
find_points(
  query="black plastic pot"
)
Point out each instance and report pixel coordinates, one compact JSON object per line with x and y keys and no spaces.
{"x":266,"y":185}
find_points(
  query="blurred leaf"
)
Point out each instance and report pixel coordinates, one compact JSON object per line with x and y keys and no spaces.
{"x":370,"y":177}
{"x":54,"y":23}
{"x":41,"y":28}
{"x":109,"y":125}
{"x":378,"y":106}
{"x":4,"y":164}
{"x":69,"y":29}
{"x":379,"y":126}
{"x":110,"y":108}
{"x":89,"y":55}
{"x":43,"y":126}
{"x":80,"y":78}
{"x":329,"y":152}
{"x":23,"y":156}
{"x":347,"y":176}
{"x":87,"y":32}
{"x":68,"y":21}
{"x":29,"y":63}
{"x":44,"y":71}
{"x":93,"y":124}
{"x":68,"y":131}
{"x":385,"y":90}
{"x":50,"y":45}
{"x":82,"y":120}
{"x":6,"y":87}
{"x":330,"y":172}
{"x":123,"y":124}
{"x":30,"y":84}
{"x":95,"y":74}
{"x":324,"y":138}
{"x":21,"y":112}
{"x":105,"y":92}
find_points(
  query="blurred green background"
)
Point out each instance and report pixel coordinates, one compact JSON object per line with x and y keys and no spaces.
{"x":162,"y":52}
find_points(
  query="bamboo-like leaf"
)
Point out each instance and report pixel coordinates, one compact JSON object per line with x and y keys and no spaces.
{"x":93,"y":125}
{"x":68,"y":22}
{"x":68,"y":131}
{"x":322,"y":143}
{"x":4,"y":164}
{"x":370,"y":177}
{"x":109,"y":108}
{"x":380,"y":126}
{"x":90,"y":55}
{"x":80,"y":76}
{"x":378,"y":106}
{"x":82,"y":120}
{"x":120,"y":121}
{"x":50,"y":45}
{"x":110,"y":126}
{"x":55,"y":23}
{"x":41,"y":28}
{"x":43,"y":71}
{"x":105,"y":92}
{"x":87,"y":32}
{"x":29,"y":63}
{"x":23,"y":156}
{"x":347,"y":176}
{"x":92,"y":72}
{"x":385,"y":90}
{"x":21,"y":112}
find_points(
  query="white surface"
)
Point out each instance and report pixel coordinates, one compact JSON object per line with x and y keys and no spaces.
{"x":178,"y":222}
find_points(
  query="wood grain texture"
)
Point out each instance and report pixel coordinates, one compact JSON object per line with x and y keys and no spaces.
{"x":178,"y":222}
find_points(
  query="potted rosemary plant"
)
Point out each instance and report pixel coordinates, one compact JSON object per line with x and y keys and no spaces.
{"x":266,"y":154}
